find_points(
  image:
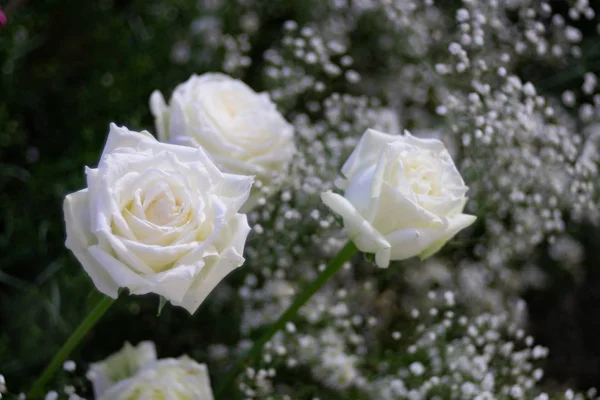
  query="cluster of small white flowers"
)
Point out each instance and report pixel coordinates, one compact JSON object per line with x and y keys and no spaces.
{"x":454,"y":356}
{"x":336,"y":368}
{"x":524,"y":29}
{"x":264,"y":305}
{"x":329,"y":340}
{"x":207,"y":40}
{"x":236,"y":53}
{"x":306,"y":62}
{"x":444,"y":354}
{"x":530,"y":164}
{"x":69,"y":391}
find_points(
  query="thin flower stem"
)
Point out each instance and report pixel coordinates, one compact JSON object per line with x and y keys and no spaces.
{"x":334,"y":265}
{"x":59,"y":358}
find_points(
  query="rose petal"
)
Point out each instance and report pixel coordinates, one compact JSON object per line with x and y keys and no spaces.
{"x":360,"y":231}
{"x":217,"y":269}
{"x":160,"y":111}
{"x":407,"y":243}
{"x":367,"y":152}
{"x":80,"y":238}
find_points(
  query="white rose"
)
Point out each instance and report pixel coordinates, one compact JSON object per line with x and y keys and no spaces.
{"x":403,"y":197}
{"x":157,"y":218}
{"x":241,"y":130}
{"x":166,"y":379}
{"x":123,"y":364}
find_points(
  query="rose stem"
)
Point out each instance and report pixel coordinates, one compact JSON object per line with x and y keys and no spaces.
{"x":88,"y":322}
{"x":332,"y":267}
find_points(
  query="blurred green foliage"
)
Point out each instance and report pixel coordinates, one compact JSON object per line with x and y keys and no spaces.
{"x":68,"y":69}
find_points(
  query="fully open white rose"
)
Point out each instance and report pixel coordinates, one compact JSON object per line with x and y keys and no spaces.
{"x":157,"y":218}
{"x":403,"y":196}
{"x":241,"y":130}
{"x":122,"y":365}
{"x":165,"y":379}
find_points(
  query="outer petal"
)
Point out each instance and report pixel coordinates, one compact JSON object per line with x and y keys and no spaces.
{"x":121,"y":365}
{"x":160,"y":111}
{"x":407,"y":243}
{"x":212,"y":77}
{"x":171,"y":284}
{"x":155,"y":257}
{"x":360,"y":191}
{"x":80,"y":238}
{"x":457,"y":224}
{"x":235,"y":189}
{"x":121,"y":137}
{"x":367,"y":151}
{"x":239,"y":166}
{"x":428,"y":143}
{"x":168,"y":378}
{"x":215,"y":270}
{"x":360,"y":231}
{"x":179,"y":121}
{"x":118,"y":271}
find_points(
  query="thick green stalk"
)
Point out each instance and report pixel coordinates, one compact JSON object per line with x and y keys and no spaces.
{"x":334,"y":265}
{"x":37,"y":390}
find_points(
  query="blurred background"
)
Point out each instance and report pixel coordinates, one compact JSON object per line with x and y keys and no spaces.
{"x":67,"y":69}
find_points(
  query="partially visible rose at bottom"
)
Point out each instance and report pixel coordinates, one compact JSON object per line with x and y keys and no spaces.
{"x":123,"y":364}
{"x":170,"y":378}
{"x":134,"y":373}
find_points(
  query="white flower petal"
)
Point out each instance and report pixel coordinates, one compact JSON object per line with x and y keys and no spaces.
{"x":457,"y":224}
{"x":360,"y":231}
{"x":169,"y":378}
{"x":160,"y":111}
{"x":405,"y":214}
{"x":429,"y":144}
{"x":120,"y":137}
{"x":122,"y":365}
{"x":367,"y":152}
{"x":118,"y":271}
{"x":235,"y":189}
{"x":217,"y":269}
{"x":157,"y":258}
{"x":407,"y":243}
{"x":80,"y":238}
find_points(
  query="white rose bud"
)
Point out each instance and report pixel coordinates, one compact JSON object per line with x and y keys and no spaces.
{"x":157,"y":218}
{"x":403,"y":197}
{"x":169,"y":378}
{"x":241,"y":130}
{"x":122,"y":365}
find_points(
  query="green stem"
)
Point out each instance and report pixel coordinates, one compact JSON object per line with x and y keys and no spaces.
{"x":59,"y":358}
{"x":334,"y":265}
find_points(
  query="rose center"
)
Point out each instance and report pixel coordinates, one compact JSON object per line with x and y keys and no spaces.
{"x":421,"y":176}
{"x":232,"y":103}
{"x":162,"y":210}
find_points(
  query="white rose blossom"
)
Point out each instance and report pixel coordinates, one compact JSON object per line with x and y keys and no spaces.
{"x":403,"y":197}
{"x":165,"y":379}
{"x":157,"y":218}
{"x":241,"y":130}
{"x":122,"y":365}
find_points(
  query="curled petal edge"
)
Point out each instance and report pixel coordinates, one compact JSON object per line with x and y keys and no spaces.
{"x":360,"y":231}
